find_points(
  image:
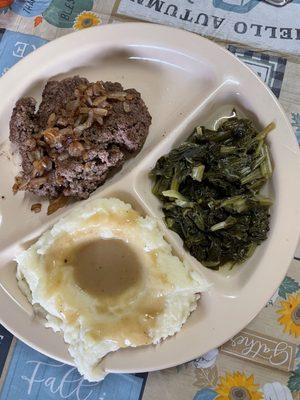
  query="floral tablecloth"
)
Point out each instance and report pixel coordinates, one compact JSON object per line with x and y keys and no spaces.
{"x":263,"y":360}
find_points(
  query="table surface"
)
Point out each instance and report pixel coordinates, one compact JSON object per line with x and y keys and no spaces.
{"x":263,"y":360}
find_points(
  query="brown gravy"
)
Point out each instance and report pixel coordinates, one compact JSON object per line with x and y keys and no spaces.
{"x":105,"y":267}
{"x":111,"y":271}
{"x":135,"y":326}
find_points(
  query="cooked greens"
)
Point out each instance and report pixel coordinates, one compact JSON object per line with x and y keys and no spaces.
{"x":209,"y":187}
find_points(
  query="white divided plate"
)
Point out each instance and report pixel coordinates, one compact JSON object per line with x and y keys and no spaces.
{"x":184,"y":80}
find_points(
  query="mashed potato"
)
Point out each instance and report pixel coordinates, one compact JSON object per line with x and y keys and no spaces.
{"x":106,"y":279}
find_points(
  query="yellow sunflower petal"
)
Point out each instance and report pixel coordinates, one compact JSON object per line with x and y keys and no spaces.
{"x":86,"y":19}
{"x":288,"y":319}
{"x":237,"y":380}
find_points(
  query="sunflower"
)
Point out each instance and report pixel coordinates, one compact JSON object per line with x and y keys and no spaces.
{"x":238,"y":386}
{"x":290,"y":315}
{"x":86,"y":19}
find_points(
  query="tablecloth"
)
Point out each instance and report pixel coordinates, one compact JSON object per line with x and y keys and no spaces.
{"x":263,"y":360}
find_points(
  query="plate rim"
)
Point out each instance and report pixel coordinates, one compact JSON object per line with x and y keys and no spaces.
{"x":145,"y":26}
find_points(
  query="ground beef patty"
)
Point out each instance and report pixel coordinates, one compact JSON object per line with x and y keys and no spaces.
{"x":81,"y":132}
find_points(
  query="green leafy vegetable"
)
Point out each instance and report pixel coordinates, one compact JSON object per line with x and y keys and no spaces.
{"x":209,"y":187}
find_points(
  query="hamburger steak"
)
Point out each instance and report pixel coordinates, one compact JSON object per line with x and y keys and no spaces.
{"x":81,"y":133}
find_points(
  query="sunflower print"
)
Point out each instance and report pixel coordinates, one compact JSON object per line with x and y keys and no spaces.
{"x":86,"y":19}
{"x":238,"y":386}
{"x":290,"y":315}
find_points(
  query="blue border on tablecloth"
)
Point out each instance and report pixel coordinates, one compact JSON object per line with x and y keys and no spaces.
{"x":33,"y":376}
